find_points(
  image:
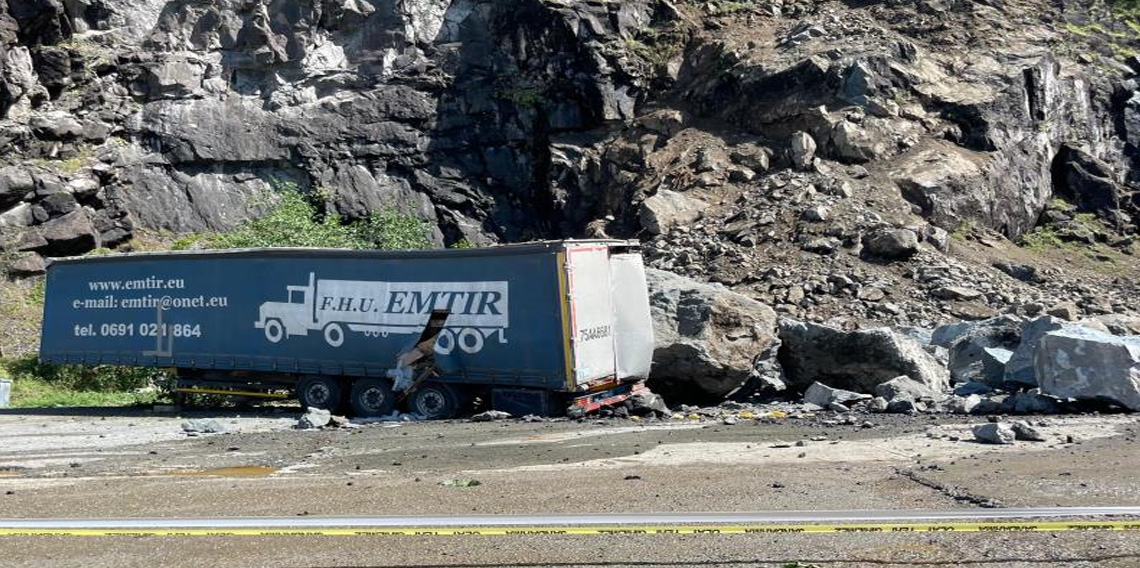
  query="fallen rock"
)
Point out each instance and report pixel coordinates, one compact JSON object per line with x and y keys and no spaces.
{"x":1067,"y":311}
{"x":956,"y":293}
{"x":1093,"y":324}
{"x":993,"y":404}
{"x":878,"y":404}
{"x":1022,"y":272}
{"x":1023,"y":431}
{"x":817,"y":214}
{"x":29,"y":264}
{"x":971,"y":311}
{"x":823,"y":395}
{"x":57,"y":125}
{"x":994,"y":433}
{"x":341,"y":422}
{"x":922,"y":335}
{"x":967,"y":389}
{"x":58,"y":204}
{"x":203,"y":426}
{"x":460,"y":483}
{"x":648,"y":403}
{"x":1032,"y":403}
{"x":490,"y":416}
{"x":751,"y":156}
{"x":905,"y":405}
{"x":71,"y":234}
{"x":891,"y":244}
{"x":906,"y":387}
{"x":803,"y":150}
{"x":708,"y":339}
{"x":982,"y":351}
{"x":1120,"y":324}
{"x":314,"y":418}
{"x":669,"y":209}
{"x":947,"y":335}
{"x":1085,"y":364}
{"x":1019,"y":369}
{"x":856,"y":360}
{"x":979,"y":364}
{"x":963,"y":404}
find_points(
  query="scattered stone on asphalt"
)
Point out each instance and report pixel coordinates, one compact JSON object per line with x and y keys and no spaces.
{"x":460,"y":483}
{"x":490,"y":416}
{"x":203,"y":426}
{"x":994,"y":433}
{"x":1023,"y":431}
{"x":823,"y":395}
{"x":314,"y":418}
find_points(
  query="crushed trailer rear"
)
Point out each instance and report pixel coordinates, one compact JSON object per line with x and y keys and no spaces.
{"x":531,"y":328}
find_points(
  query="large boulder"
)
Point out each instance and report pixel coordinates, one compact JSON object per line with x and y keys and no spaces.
{"x":980,"y":350}
{"x":1086,"y":364}
{"x":891,"y":244}
{"x":669,"y":209}
{"x":971,"y":363}
{"x":1020,"y":368}
{"x":854,"y":360}
{"x":708,"y":337}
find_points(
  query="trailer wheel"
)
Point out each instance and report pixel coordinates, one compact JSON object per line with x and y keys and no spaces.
{"x":319,"y":392}
{"x":435,"y":401}
{"x":334,"y":335}
{"x":445,"y":343}
{"x":372,"y":397}
{"x":274,"y":331}
{"x":470,"y":340}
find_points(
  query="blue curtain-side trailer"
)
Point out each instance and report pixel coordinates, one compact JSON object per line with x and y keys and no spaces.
{"x":534,"y":328}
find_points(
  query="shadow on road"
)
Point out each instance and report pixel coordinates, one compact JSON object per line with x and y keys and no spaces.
{"x":144,"y":411}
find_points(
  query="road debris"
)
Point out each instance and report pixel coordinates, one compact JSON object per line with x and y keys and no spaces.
{"x":994,"y":433}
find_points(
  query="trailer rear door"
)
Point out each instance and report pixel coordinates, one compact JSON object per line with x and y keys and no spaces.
{"x":633,"y":322}
{"x":591,"y":312}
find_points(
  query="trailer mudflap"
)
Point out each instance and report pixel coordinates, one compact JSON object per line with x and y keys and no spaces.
{"x":588,"y":403}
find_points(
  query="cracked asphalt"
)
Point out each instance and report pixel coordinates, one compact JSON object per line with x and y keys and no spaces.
{"x":104,"y":463}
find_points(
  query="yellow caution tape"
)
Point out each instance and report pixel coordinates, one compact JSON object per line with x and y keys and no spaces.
{"x":771,"y":528}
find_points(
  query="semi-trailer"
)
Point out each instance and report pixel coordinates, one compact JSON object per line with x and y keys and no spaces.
{"x":538,"y":328}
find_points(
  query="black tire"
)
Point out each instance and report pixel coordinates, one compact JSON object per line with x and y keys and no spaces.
{"x":435,"y":401}
{"x":372,"y":397}
{"x":319,"y":392}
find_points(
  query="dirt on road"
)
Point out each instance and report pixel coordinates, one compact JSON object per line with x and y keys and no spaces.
{"x":114,"y":463}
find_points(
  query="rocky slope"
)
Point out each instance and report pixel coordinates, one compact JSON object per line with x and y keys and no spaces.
{"x":849,"y":161}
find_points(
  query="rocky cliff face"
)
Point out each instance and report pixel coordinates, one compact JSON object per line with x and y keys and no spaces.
{"x":175,"y":115}
{"x":771,"y":145}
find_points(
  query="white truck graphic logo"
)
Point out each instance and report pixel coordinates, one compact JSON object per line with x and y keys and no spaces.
{"x":477,"y":311}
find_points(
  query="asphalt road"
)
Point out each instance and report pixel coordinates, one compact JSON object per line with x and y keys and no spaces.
{"x":137,"y":465}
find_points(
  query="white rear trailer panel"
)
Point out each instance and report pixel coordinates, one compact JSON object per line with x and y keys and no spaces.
{"x":591,"y":312}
